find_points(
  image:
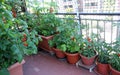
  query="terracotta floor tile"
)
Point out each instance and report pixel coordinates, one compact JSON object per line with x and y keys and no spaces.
{"x":45,"y":64}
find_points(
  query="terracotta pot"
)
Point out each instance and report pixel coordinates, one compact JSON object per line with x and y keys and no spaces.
{"x":16,"y":69}
{"x":59,"y":53}
{"x":113,"y":71}
{"x":103,"y":69}
{"x":44,"y":43}
{"x":72,"y":58}
{"x":87,"y":61}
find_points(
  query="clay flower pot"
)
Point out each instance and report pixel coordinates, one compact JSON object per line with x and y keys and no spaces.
{"x":59,"y":53}
{"x":16,"y":69}
{"x":113,"y":71}
{"x":103,"y":69}
{"x":72,"y":58}
{"x":44,"y":43}
{"x":86,"y":60}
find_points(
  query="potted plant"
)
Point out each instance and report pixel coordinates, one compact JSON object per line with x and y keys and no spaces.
{"x":12,"y":48}
{"x":88,"y":53}
{"x":71,"y":40}
{"x":72,"y":49}
{"x":56,"y":45}
{"x":58,"y":42}
{"x":104,"y":50}
{"x":115,"y":65}
{"x":31,"y":38}
{"x":67,"y":41}
{"x":47,"y":29}
{"x":115,"y":58}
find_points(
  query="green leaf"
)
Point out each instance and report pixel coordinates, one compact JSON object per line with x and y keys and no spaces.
{"x":2,"y":0}
{"x":16,"y":51}
{"x":4,"y":72}
{"x":12,"y":34}
{"x":62,"y":47}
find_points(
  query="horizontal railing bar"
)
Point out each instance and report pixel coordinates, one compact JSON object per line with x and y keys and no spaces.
{"x":88,"y":13}
{"x":103,"y":30}
{"x":71,"y":18}
{"x":99,"y":20}
{"x":91,"y":19}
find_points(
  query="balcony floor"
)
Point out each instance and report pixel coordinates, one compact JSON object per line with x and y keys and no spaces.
{"x":45,"y":64}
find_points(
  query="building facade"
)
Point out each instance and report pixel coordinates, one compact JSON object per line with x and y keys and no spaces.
{"x":70,"y":5}
{"x":91,"y":6}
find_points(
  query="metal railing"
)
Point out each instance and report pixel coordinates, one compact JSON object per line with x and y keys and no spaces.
{"x":107,"y":25}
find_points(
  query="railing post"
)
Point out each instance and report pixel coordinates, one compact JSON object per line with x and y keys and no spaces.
{"x":118,"y":29}
{"x":79,"y":22}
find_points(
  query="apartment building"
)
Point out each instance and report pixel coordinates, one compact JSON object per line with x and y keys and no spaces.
{"x":70,"y":5}
{"x":99,"y":6}
{"x":79,"y":5}
{"x":117,"y":8}
{"x":91,"y":5}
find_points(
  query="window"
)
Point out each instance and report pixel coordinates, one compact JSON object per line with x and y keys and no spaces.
{"x":87,"y":4}
{"x":91,"y":4}
{"x":70,"y":6}
{"x":65,"y":6}
{"x":94,"y":4}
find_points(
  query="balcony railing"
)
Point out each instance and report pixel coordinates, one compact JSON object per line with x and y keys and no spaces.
{"x":106,"y":25}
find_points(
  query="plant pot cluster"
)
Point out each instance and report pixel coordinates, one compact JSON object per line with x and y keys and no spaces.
{"x":72,"y":45}
{"x":106,"y":56}
{"x":108,"y":61}
{"x":47,"y":29}
{"x":74,"y":51}
{"x":90,"y":51}
{"x":16,"y":39}
{"x":64,"y":44}
{"x":20,"y":35}
{"x":71,"y":58}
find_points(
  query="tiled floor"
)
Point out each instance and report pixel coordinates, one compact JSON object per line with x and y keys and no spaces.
{"x":45,"y":64}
